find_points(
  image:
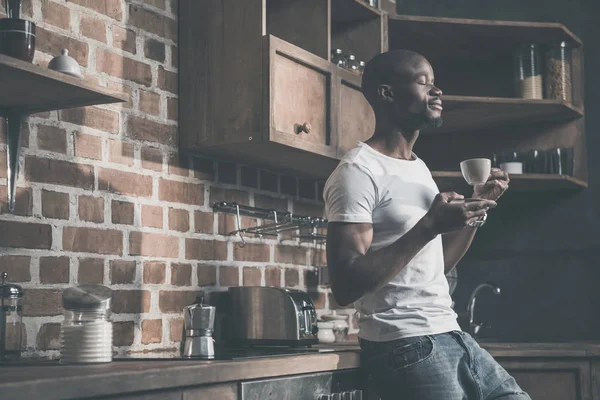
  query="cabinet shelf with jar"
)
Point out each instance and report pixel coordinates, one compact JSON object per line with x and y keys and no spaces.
{"x":259,"y":83}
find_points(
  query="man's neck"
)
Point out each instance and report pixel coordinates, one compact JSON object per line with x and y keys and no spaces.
{"x":393,"y":142}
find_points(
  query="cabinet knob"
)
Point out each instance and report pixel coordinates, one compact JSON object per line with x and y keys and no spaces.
{"x":305,"y":127}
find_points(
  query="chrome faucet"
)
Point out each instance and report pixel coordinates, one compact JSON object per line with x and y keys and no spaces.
{"x":473,"y":327}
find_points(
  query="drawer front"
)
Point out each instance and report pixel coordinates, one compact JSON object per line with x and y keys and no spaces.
{"x":357,"y":119}
{"x":299,"y":95}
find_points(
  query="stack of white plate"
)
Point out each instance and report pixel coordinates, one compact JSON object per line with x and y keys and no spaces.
{"x":89,"y":342}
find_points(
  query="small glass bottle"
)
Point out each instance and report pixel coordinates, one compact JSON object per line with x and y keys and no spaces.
{"x":559,"y":72}
{"x":352,"y":64}
{"x":528,"y":72}
{"x":11,"y":320}
{"x":86,"y":333}
{"x":361,"y":67}
{"x":338,"y":58}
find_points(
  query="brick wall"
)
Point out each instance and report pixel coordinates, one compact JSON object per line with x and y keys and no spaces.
{"x":103,"y":196}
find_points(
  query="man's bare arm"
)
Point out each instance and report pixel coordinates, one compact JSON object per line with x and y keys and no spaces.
{"x":456,"y":245}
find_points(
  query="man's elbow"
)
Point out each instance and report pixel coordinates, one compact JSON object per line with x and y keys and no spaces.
{"x":342,"y":295}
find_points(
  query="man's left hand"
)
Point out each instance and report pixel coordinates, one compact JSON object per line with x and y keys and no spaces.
{"x":495,"y":186}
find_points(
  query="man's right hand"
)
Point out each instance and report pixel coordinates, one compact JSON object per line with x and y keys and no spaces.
{"x":444,"y":215}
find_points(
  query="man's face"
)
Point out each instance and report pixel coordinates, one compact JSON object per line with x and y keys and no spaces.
{"x":417,"y":101}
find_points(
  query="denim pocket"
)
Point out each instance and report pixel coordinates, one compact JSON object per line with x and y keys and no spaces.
{"x":410,"y":352}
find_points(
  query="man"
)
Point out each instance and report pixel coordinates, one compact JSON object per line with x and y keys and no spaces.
{"x":392,"y":237}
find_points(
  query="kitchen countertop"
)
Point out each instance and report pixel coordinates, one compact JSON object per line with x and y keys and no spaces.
{"x":29,"y":379}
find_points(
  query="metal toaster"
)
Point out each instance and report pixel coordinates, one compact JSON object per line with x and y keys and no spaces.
{"x":271,"y":316}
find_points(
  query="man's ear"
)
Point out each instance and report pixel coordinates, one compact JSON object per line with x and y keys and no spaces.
{"x":385,"y":92}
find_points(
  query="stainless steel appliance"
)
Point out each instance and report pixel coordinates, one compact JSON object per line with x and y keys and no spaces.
{"x":199,"y":323}
{"x":271,"y":316}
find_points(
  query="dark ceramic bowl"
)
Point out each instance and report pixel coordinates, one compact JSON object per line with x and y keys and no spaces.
{"x":17,"y":38}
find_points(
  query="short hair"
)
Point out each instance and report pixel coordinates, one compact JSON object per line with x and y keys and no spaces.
{"x":381,"y":68}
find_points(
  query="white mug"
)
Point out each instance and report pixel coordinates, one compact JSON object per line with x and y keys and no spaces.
{"x":476,"y":170}
{"x":513,"y":167}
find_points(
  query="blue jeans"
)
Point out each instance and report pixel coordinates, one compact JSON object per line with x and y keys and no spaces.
{"x":446,"y":366}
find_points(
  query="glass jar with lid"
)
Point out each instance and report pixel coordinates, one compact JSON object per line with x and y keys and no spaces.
{"x":86,"y":333}
{"x":11,"y":320}
{"x":338,"y":58}
{"x":558,"y":80}
{"x":352,"y":64}
{"x":528,"y":74}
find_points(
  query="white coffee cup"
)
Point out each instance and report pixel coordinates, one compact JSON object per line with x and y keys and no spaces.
{"x":512,"y":167}
{"x":476,"y":170}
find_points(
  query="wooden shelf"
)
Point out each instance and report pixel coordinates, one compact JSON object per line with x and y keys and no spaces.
{"x":349,"y":11}
{"x":463,"y":113}
{"x":450,"y":180}
{"x":30,"y":89}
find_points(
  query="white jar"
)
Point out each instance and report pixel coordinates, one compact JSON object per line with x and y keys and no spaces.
{"x":325,"y":334}
{"x":340,"y":326}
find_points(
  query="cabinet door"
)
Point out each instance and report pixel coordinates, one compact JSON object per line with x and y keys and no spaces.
{"x":551,"y":379}
{"x":356,"y":119}
{"x":299,"y":108}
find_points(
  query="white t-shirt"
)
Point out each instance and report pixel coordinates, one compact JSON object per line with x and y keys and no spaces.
{"x":393,"y":195}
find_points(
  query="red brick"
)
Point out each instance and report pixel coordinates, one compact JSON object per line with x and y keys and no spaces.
{"x":123,"y":89}
{"x":206,"y":250}
{"x":154,"y":50}
{"x":29,"y":236}
{"x":91,"y":209}
{"x":207,"y":275}
{"x":93,"y":28}
{"x":120,"y":152}
{"x":55,"y":204}
{"x":23,"y":200}
{"x":179,"y":220}
{"x":151,"y":331}
{"x":290,"y":255}
{"x":92,"y":240}
{"x":251,"y":276}
{"x":112,"y":8}
{"x":228,"y":223}
{"x":131,"y":301}
{"x":123,"y":332}
{"x":152,"y":158}
{"x":122,"y":212}
{"x":292,"y":277}
{"x":172,"y":108}
{"x":17,"y":267}
{"x":174,"y":57}
{"x":88,"y":146}
{"x":181,"y":274}
{"x":116,"y":181}
{"x":52,"y":43}
{"x":167,"y":80}
{"x":181,"y":192}
{"x":333,"y":305}
{"x":178,"y":165}
{"x":149,"y":102}
{"x":203,"y":221}
{"x":153,"y":245}
{"x":174,"y":301}
{"x":151,"y":131}
{"x":56,"y":14}
{"x":156,"y":3}
{"x":42,"y":302}
{"x":52,"y":138}
{"x":91,"y":271}
{"x":93,"y":117}
{"x":122,"y":67}
{"x":124,"y":39}
{"x":153,"y":22}
{"x":59,"y":172}
{"x":152,"y":216}
{"x":122,"y":271}
{"x":48,"y":338}
{"x":176,"y":329}
{"x":273,"y":276}
{"x":252,"y":252}
{"x":229,"y":276}
{"x":230,"y":195}
{"x":154,"y":272}
{"x":2,"y":158}
{"x":54,"y":269}
{"x":318,"y":257}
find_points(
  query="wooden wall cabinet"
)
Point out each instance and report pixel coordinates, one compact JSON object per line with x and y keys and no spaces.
{"x":257,"y":85}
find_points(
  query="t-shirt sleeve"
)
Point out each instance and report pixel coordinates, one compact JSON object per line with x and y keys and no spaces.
{"x":349,"y":195}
